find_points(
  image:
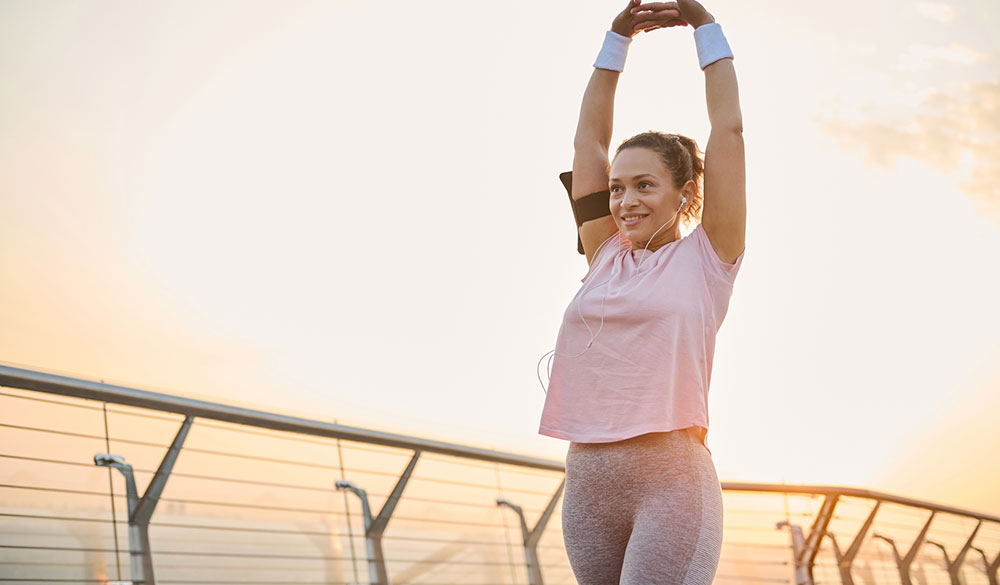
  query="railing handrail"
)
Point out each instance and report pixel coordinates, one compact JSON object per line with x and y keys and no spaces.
{"x":66,"y":386}
{"x":88,"y":389}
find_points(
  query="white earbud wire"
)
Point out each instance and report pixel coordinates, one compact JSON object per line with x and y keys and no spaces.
{"x":579,"y":299}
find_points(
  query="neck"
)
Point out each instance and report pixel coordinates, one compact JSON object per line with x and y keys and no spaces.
{"x":662,"y":239}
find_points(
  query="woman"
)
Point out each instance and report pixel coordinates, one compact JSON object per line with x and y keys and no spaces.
{"x":631,"y":370}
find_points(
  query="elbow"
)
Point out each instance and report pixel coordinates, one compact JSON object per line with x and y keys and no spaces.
{"x":734,"y":126}
{"x":730,"y":132}
{"x":727,"y":124}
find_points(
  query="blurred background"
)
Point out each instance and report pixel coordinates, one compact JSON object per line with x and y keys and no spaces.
{"x":351,"y":210}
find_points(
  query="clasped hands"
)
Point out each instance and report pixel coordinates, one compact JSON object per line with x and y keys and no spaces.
{"x":638,"y":17}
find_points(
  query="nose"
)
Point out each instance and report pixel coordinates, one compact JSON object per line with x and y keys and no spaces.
{"x":629,"y":199}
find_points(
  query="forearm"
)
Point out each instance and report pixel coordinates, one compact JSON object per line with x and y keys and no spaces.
{"x":597,"y":111}
{"x":722,"y":96}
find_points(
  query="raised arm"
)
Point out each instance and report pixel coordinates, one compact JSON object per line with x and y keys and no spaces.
{"x":725,"y":208}
{"x":590,"y":153}
{"x":593,"y":131}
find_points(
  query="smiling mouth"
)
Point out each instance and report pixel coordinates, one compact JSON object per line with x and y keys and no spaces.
{"x":631,"y":220}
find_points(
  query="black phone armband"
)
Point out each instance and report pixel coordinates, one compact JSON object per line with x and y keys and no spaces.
{"x":593,"y":206}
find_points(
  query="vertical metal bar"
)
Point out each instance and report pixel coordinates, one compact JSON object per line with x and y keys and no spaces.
{"x":845,"y":579}
{"x":904,"y":570}
{"x":816,"y":532}
{"x":111,"y":485}
{"x":911,"y":555}
{"x":955,"y":566}
{"x":989,"y":568}
{"x":347,"y":510}
{"x":845,"y":560}
{"x":802,"y":574}
{"x":144,"y":511}
{"x":139,"y":516}
{"x":140,"y":510}
{"x":532,"y":537}
{"x":506,"y":530}
{"x":375,"y":527}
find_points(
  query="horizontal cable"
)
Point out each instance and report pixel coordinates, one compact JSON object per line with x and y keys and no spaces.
{"x":351,"y":445}
{"x":50,"y":401}
{"x":320,"y":533}
{"x":755,"y":579}
{"x":66,"y":548}
{"x":44,"y":564}
{"x":43,"y":460}
{"x":755,"y":561}
{"x":243,"y":506}
{"x":52,"y":431}
{"x":272,"y":530}
{"x":260,"y":556}
{"x":70,"y":518}
{"x":311,"y":465}
{"x":245,"y":582}
{"x":27,"y":580}
{"x":58,"y":490}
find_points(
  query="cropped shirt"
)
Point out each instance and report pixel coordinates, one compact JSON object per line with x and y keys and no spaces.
{"x":650,"y":364}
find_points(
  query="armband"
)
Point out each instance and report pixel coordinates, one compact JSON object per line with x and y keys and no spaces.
{"x":711,"y":44}
{"x":593,"y":206}
{"x":613,"y":52}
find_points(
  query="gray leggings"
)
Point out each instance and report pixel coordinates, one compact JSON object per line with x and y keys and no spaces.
{"x":643,"y":511}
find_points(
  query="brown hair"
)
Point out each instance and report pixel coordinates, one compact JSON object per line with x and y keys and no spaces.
{"x":682,"y":158}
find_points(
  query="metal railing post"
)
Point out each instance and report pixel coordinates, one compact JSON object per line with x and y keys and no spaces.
{"x":140,"y":510}
{"x":805,"y":548}
{"x":802,"y":576}
{"x":808,"y":555}
{"x":954,"y":566}
{"x":375,"y":527}
{"x":531,"y":538}
{"x":904,"y":563}
{"x":845,"y":560}
{"x":988,"y":567}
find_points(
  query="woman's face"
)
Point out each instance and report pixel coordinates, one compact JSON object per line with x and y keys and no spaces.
{"x":643,"y":197}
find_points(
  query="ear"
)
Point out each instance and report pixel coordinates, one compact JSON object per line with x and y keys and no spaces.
{"x":688,"y":190}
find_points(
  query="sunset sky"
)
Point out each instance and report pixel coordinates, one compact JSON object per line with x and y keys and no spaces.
{"x":351,"y":210}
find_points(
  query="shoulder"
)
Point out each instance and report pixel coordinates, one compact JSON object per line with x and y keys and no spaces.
{"x":715,"y":260}
{"x":727,"y":243}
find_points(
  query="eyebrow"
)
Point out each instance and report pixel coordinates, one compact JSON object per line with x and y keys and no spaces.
{"x":635,"y":178}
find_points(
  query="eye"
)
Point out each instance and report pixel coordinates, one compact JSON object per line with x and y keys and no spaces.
{"x":645,"y":185}
{"x":615,"y":188}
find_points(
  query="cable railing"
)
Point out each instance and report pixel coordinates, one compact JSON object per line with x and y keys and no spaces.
{"x":108,"y":484}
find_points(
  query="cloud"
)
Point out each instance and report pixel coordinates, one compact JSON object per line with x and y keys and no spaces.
{"x":956,"y":132}
{"x":920,"y":57}
{"x":938,"y":11}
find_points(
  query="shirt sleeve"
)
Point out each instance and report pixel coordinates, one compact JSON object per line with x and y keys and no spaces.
{"x":710,"y":259}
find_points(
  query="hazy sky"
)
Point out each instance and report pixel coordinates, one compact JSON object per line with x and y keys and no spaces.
{"x":351,"y":211}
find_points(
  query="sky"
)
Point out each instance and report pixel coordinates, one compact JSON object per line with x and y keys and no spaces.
{"x":351,"y":211}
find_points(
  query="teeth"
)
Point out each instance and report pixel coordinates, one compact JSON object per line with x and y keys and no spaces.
{"x":631,"y":217}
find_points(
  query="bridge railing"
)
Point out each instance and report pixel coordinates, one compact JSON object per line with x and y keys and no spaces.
{"x":108,"y":484}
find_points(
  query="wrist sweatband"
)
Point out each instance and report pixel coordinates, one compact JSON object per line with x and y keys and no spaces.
{"x":711,"y":44}
{"x":593,"y":206}
{"x":612,"y":55}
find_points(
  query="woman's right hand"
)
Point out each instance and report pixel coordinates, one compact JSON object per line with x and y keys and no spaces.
{"x":646,"y":17}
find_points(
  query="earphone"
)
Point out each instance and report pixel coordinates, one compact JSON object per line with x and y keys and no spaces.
{"x":579,"y":299}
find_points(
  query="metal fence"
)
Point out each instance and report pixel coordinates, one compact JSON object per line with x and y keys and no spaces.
{"x":107,"y":484}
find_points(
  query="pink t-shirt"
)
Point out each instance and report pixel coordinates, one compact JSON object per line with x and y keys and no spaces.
{"x":649,"y":367}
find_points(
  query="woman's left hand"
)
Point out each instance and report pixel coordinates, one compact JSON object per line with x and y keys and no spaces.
{"x":654,"y":15}
{"x":694,"y":13}
{"x":651,"y":16}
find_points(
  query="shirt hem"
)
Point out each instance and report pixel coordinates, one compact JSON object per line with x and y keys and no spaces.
{"x":621,"y":436}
